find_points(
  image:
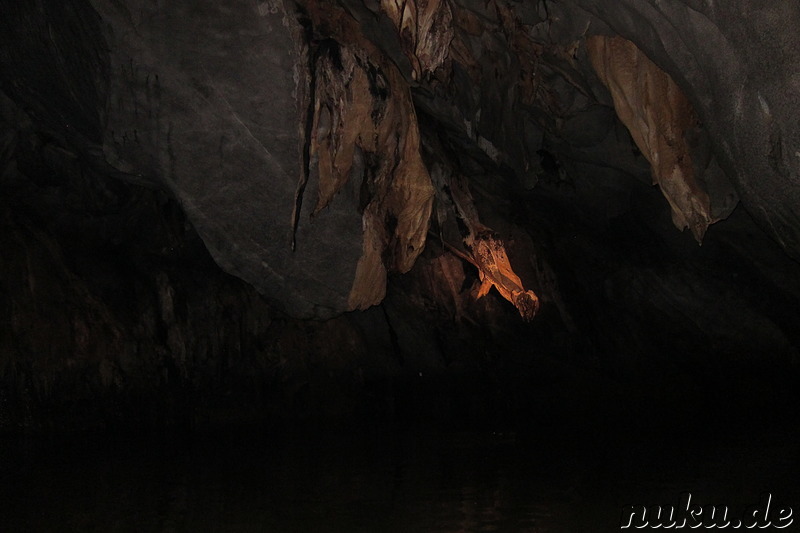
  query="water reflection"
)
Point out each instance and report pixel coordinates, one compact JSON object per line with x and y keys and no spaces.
{"x":234,"y":481}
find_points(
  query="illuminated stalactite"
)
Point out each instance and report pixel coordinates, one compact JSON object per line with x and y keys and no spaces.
{"x":425,"y":31}
{"x":489,"y":255}
{"x":364,"y":136}
{"x":481,"y":246}
{"x":658,"y":115}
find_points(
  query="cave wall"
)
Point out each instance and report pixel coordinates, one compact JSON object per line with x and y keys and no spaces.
{"x":183,"y":186}
{"x":735,"y":63}
{"x":255,"y":115}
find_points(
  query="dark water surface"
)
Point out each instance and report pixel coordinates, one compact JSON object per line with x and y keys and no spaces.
{"x":388,"y":480}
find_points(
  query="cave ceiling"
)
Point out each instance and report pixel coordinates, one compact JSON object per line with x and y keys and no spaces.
{"x":316,"y":146}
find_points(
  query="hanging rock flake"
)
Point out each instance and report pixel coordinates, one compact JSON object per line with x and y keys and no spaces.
{"x":365,"y":136}
{"x":658,"y":115}
{"x":425,"y":29}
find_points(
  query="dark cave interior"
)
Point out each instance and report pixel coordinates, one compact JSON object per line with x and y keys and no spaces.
{"x":575,"y":219}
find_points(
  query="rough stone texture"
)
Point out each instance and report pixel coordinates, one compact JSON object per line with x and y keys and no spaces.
{"x":480,"y":245}
{"x":425,"y":31}
{"x":364,"y":136}
{"x":139,"y":136}
{"x":218,"y":107}
{"x":113,"y":316}
{"x":209,"y":99}
{"x":659,"y":117}
{"x":738,"y":64}
{"x":227,"y":106}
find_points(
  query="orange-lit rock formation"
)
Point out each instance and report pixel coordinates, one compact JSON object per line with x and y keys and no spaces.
{"x":658,"y":115}
{"x":364,"y":133}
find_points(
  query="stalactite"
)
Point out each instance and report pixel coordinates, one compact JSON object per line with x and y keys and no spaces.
{"x":658,"y":115}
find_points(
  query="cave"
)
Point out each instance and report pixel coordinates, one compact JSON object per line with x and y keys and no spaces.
{"x":381,"y":265}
